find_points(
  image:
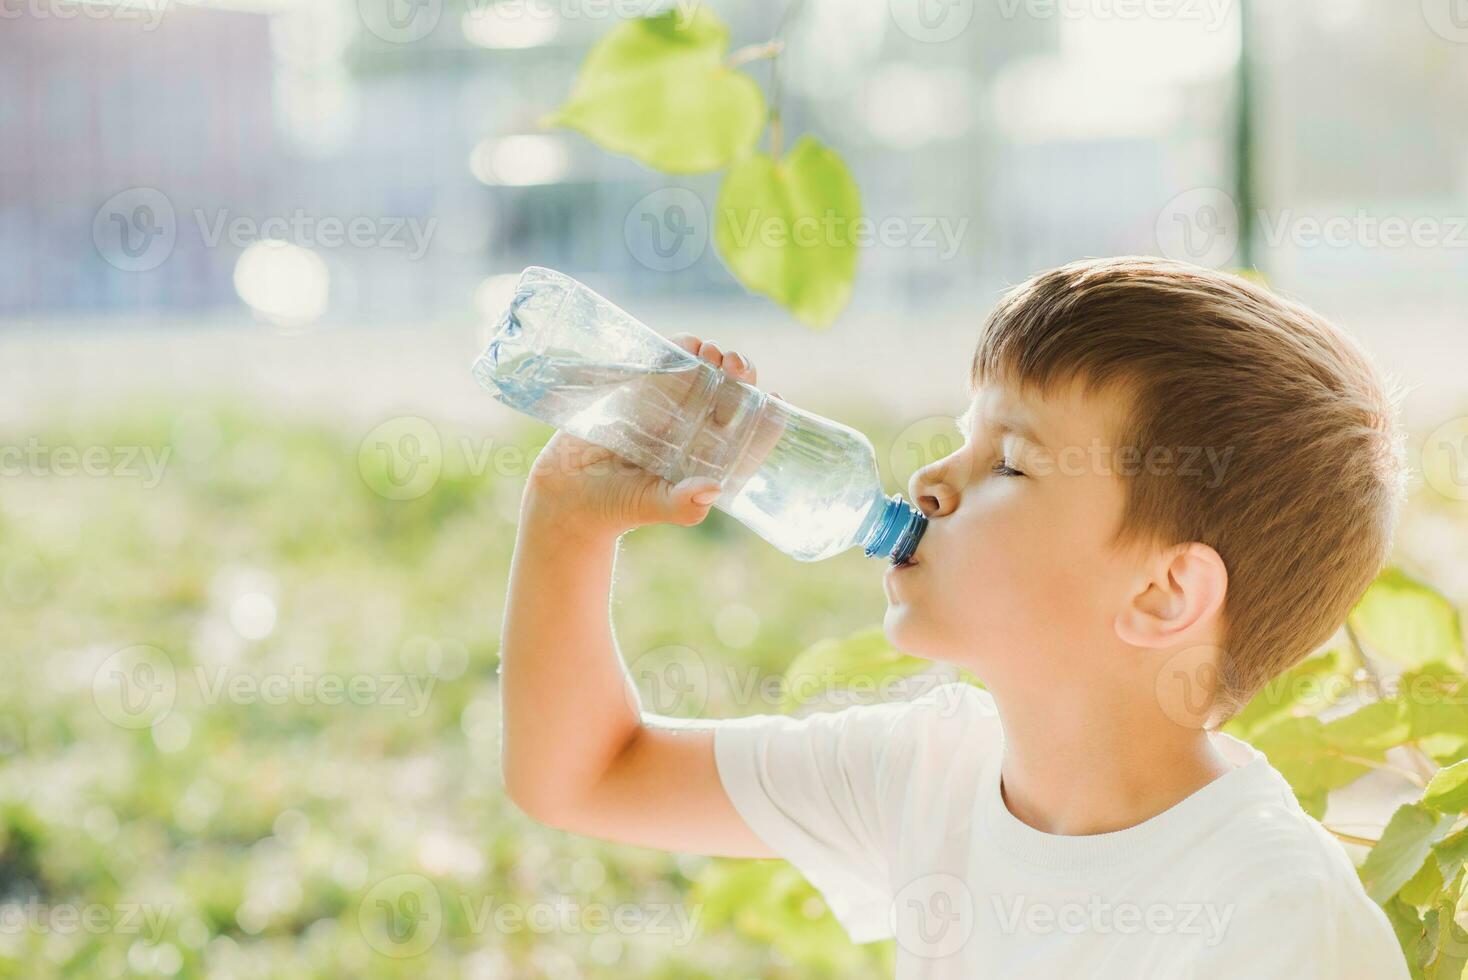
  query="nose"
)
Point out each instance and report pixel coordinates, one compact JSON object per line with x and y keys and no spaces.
{"x":932,"y":489}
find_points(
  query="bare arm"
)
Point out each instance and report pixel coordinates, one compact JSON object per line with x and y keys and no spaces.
{"x":577,"y":754}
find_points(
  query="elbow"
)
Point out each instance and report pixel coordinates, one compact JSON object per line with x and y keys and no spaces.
{"x":547,"y":794}
{"x":533,"y":804}
{"x":536,"y":795}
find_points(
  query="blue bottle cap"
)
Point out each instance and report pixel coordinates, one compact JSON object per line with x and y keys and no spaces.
{"x":898,"y":532}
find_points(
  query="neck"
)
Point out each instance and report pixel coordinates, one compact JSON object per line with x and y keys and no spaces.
{"x":1093,"y":765}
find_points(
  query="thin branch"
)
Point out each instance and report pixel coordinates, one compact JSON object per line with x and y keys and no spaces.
{"x":1362,"y":658}
{"x":1421,"y":761}
{"x":1414,"y":778}
{"x":777,"y":88}
{"x":1352,"y":838}
{"x":1423,"y":764}
{"x":754,"y":52}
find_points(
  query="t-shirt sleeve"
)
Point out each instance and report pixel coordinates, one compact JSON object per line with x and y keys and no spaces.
{"x":824,"y":792}
{"x":1304,"y":928}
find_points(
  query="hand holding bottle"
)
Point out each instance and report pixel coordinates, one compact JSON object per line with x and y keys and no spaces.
{"x":689,"y":417}
{"x":592,"y":489}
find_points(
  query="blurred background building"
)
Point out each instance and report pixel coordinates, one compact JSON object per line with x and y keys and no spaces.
{"x":1023,"y":134}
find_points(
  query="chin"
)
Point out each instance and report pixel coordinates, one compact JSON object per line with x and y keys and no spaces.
{"x":905,"y":631}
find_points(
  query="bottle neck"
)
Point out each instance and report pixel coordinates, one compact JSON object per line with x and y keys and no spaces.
{"x":896,"y":532}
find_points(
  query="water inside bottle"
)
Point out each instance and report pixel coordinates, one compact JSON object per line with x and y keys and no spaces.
{"x":805,"y":483}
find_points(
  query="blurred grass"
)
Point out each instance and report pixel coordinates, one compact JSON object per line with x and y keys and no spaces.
{"x":259,"y":833}
{"x":254,"y":833}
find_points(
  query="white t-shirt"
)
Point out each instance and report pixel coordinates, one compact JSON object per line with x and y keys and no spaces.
{"x":893,"y":812}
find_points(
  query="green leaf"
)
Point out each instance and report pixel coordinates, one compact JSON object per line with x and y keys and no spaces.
{"x":1434,"y":700}
{"x":1448,"y":789}
{"x":790,"y":230}
{"x":1301,"y":751}
{"x":863,"y":660}
{"x":657,"y":89}
{"x":1370,"y":730}
{"x":1411,"y":934}
{"x":1446,"y":942}
{"x":970,"y":678}
{"x":1405,"y":843}
{"x":769,"y":901}
{"x":1424,"y":885}
{"x":1408,"y":622}
{"x":1451,"y":853}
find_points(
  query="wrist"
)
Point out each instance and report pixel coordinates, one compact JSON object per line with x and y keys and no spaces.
{"x":541,"y":515}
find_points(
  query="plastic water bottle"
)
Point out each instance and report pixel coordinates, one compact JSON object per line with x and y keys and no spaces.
{"x":563,"y":354}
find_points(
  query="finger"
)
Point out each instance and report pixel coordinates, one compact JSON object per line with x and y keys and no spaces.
{"x":686,"y":341}
{"x":736,"y":367}
{"x":673,"y":391}
{"x":688,"y":501}
{"x":712,"y":353}
{"x":740,"y":367}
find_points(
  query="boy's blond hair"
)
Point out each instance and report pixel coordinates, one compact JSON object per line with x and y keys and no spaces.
{"x":1304,"y":508}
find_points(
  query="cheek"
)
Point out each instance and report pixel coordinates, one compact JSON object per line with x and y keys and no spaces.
{"x":1022,"y":566}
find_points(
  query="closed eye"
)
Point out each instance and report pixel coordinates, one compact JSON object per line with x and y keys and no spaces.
{"x":1002,"y":468}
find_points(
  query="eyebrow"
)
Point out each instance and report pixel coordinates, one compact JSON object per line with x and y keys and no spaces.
{"x":1003,"y":423}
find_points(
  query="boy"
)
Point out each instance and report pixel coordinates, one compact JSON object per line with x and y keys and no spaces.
{"x":1173,"y":483}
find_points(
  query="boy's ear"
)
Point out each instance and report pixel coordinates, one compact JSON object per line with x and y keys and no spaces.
{"x":1181,"y":590}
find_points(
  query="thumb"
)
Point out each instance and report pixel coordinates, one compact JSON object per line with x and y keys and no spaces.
{"x":688,"y":500}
